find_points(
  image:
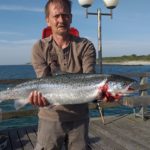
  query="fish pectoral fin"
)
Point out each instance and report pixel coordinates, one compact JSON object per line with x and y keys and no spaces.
{"x":20,"y":103}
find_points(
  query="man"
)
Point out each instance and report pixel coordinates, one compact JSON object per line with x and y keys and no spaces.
{"x":61,"y":52}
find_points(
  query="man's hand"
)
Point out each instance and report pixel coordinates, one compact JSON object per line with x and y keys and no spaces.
{"x":36,"y":98}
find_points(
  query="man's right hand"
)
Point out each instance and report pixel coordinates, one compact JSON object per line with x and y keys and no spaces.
{"x":36,"y":98}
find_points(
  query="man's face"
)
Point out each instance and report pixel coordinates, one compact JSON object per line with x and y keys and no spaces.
{"x":59,"y":19}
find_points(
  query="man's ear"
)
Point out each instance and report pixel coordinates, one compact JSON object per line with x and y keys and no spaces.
{"x":47,"y":21}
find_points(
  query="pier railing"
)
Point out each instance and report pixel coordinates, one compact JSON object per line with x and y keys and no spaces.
{"x":142,"y":100}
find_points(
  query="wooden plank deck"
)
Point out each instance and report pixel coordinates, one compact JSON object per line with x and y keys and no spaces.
{"x":121,"y":133}
{"x":118,"y":133}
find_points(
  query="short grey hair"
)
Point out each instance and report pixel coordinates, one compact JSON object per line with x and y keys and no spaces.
{"x":65,"y":3}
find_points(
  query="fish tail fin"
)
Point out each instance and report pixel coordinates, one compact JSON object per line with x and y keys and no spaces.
{"x":20,"y":103}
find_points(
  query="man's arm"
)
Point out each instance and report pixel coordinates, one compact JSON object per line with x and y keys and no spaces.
{"x":89,"y":58}
{"x":39,"y":60}
{"x":41,"y":68}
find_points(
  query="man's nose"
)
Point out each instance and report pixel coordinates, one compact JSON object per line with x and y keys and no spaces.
{"x":61,"y":18}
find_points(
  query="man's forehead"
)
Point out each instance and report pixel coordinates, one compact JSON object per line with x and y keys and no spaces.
{"x":56,"y":8}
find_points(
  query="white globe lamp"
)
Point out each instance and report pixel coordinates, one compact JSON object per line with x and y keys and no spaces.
{"x":111,"y":4}
{"x":85,"y":3}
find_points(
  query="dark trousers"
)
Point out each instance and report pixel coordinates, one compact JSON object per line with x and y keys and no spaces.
{"x":52,"y":135}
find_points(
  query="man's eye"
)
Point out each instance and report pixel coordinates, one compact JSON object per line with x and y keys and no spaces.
{"x":65,"y":16}
{"x":56,"y":16}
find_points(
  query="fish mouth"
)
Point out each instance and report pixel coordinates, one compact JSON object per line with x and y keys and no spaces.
{"x":131,"y":89}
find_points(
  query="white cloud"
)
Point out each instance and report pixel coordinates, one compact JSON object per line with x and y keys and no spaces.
{"x":19,"y":8}
{"x":31,"y":41}
{"x":10,"y":33}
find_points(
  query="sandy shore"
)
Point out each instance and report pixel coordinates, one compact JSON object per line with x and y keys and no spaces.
{"x":128,"y":63}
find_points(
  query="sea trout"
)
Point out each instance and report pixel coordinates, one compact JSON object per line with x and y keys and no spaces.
{"x":71,"y":88}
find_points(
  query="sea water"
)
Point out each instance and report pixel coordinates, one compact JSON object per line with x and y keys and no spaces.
{"x":26,"y":71}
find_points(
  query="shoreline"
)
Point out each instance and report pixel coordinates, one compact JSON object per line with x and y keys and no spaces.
{"x":132,"y":63}
{"x":128,"y":63}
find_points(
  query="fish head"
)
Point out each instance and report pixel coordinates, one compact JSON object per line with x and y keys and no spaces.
{"x":118,"y":86}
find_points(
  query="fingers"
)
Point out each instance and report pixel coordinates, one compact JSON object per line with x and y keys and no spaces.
{"x":36,"y":98}
{"x":44,"y":101}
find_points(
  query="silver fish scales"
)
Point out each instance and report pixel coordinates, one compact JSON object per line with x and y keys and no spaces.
{"x":70,"y":88}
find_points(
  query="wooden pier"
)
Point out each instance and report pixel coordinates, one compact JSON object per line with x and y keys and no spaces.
{"x":119,"y":132}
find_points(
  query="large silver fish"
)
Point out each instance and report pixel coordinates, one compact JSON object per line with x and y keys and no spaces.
{"x":71,"y":88}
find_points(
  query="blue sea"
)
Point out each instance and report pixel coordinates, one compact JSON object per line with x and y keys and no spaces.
{"x":26,"y":71}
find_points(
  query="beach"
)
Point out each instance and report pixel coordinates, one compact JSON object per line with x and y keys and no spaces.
{"x":128,"y":63}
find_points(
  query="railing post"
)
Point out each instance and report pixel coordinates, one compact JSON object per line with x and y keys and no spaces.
{"x":143,"y":113}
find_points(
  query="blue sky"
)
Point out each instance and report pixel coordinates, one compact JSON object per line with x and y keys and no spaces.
{"x":22,"y":21}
